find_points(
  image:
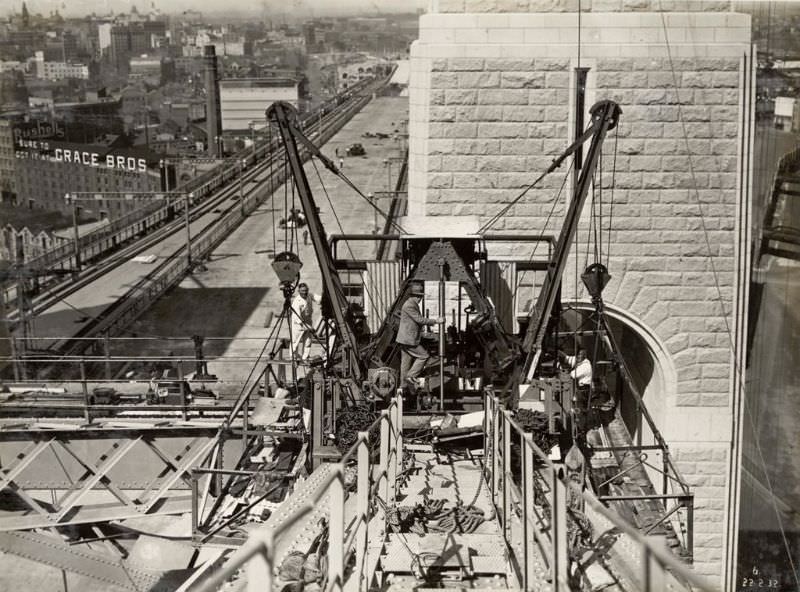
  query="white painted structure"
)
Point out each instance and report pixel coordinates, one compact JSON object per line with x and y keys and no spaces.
{"x":243,"y":100}
{"x":59,"y":70}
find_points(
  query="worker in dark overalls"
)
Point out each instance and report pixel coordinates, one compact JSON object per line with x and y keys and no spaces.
{"x":201,"y":367}
{"x":413,"y":355}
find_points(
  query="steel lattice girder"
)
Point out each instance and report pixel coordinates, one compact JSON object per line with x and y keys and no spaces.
{"x":51,"y":550}
{"x":100,"y":474}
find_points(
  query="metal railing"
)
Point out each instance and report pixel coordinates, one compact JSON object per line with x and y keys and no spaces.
{"x":345,"y":538}
{"x":539,"y":506}
{"x":94,"y":398}
{"x":557,"y":396}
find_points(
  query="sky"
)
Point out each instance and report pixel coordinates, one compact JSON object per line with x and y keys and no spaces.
{"x":278,"y":7}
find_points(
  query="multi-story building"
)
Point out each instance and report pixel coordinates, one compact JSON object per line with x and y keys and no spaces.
{"x":104,"y":36}
{"x":11,"y":65}
{"x":133,"y":106}
{"x":225,"y":44}
{"x":59,"y":70}
{"x":133,"y":39}
{"x":8,"y":177}
{"x":48,"y":170}
{"x":88,"y":119}
{"x":182,"y":112}
{"x":192,"y":17}
{"x":25,"y":42}
{"x":243,"y":100}
{"x":61,"y":47}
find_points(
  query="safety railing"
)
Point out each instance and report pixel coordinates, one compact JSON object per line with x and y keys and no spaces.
{"x":542,"y":507}
{"x":375,"y":484}
{"x":557,"y":396}
{"x":107,"y":385}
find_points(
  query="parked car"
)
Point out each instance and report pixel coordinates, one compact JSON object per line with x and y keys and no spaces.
{"x":355,"y":150}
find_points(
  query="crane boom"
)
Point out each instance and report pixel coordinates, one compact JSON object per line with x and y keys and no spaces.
{"x":605,"y":115}
{"x":285,"y":116}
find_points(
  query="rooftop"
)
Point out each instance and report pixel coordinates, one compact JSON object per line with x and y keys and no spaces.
{"x":257,"y":82}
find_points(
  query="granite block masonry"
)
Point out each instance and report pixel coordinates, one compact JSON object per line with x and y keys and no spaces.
{"x":492,"y":101}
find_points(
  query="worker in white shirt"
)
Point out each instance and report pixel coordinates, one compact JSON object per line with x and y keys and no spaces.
{"x":302,"y":323}
{"x":580,"y":367}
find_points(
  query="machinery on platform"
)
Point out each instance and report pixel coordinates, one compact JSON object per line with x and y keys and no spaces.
{"x":508,"y":378}
{"x":475,"y":348}
{"x":476,"y":353}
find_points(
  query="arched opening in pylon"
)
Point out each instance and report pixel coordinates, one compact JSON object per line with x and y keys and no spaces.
{"x":646,"y":359}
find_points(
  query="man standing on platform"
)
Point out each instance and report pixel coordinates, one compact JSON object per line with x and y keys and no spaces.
{"x":302,"y":323}
{"x":409,"y":334}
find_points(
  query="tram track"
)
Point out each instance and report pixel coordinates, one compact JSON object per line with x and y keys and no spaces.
{"x":218,"y":179}
{"x":258,"y":184}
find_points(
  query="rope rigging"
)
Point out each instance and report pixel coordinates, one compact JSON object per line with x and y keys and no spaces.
{"x":341,"y":229}
{"x":272,"y":195}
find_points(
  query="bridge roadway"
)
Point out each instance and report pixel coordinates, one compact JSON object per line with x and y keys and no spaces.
{"x":67,"y":317}
{"x":239,"y":289}
{"x":71,"y":315}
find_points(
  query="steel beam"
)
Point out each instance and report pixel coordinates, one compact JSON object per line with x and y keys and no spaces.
{"x":107,"y":432}
{"x":91,"y":514}
{"x":182,"y":469}
{"x":172,"y":463}
{"x":101,"y":470}
{"x":99,"y":475}
{"x":71,"y":498}
{"x":25,"y":458}
{"x":51,"y":551}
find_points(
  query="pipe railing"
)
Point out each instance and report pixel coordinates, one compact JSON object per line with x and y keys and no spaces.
{"x":257,"y":554}
{"x":77,"y":393}
{"x":542,"y":507}
{"x":558,"y":395}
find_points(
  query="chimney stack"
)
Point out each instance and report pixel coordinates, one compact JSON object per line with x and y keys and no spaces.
{"x":213,"y":113}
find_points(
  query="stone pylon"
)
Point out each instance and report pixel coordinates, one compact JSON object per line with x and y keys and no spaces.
{"x":494,"y":99}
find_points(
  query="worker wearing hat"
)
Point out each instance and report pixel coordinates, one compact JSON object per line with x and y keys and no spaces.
{"x":413,"y":355}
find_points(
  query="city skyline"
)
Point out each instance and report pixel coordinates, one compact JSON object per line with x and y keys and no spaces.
{"x":298,"y":8}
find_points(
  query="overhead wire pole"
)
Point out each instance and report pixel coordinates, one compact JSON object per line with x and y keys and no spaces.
{"x":99,"y":196}
{"x":76,"y":235}
{"x":241,"y":162}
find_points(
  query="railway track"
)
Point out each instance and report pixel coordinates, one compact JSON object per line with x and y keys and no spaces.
{"x":155,"y":224}
{"x":226,"y":211}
